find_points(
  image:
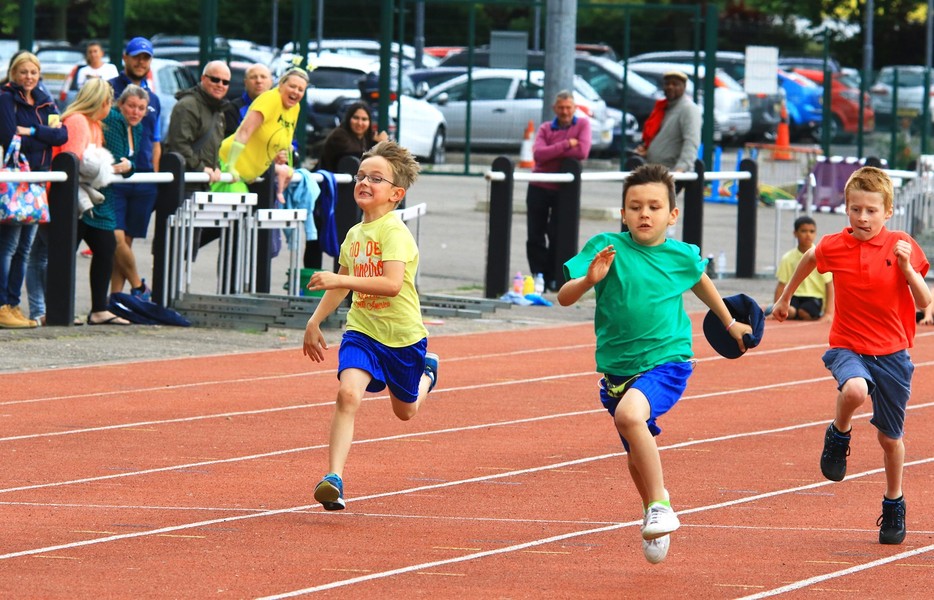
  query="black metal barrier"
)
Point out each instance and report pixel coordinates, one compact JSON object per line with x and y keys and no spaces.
{"x":265,"y":191}
{"x":63,"y":243}
{"x":692,"y":220}
{"x":566,"y":215}
{"x":169,"y":196}
{"x":747,"y":210}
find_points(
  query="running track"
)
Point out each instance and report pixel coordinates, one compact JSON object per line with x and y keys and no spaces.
{"x":192,"y":478}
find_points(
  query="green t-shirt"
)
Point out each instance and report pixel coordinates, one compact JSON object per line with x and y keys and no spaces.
{"x":640,"y":319}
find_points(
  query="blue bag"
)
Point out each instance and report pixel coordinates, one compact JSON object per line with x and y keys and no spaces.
{"x":141,"y":312}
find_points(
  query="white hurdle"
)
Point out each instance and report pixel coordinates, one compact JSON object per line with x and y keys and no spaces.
{"x":279,"y":218}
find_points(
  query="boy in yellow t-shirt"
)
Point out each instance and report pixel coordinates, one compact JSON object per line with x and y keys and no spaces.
{"x":385,"y":342}
{"x":813,"y":300}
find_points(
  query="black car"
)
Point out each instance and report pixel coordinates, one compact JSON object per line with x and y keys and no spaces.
{"x":604,"y":75}
{"x":765,"y":108}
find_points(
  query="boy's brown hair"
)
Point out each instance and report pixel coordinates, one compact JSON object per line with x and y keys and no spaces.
{"x":403,"y":164}
{"x":871,"y":179}
{"x":652,"y":173}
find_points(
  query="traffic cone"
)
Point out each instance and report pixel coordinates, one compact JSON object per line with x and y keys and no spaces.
{"x":526,"y":159}
{"x":783,"y":139}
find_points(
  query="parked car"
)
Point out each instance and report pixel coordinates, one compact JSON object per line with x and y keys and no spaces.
{"x":503,"y":101}
{"x":804,"y":100}
{"x":57,"y":62}
{"x":844,"y":103}
{"x":605,"y":76}
{"x":361,"y":47}
{"x":910,"y":93}
{"x":166,"y":78}
{"x":766,"y":109}
{"x":425,"y":79}
{"x":337,"y":81}
{"x":732,"y":119}
{"x":790,"y":63}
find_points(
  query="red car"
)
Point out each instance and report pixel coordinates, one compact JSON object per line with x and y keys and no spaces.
{"x":844,"y":103}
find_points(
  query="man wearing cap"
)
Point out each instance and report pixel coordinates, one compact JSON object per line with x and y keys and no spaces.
{"x":134,"y":203}
{"x":671,"y":134}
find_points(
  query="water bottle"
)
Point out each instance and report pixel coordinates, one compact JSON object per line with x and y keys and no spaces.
{"x":721,"y":265}
{"x":710,"y":266}
{"x":517,"y":282}
{"x":539,"y":284}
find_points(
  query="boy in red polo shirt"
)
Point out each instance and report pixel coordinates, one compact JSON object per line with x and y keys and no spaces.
{"x":879,"y":282}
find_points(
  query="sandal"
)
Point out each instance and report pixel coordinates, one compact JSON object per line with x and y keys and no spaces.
{"x":114,"y":320}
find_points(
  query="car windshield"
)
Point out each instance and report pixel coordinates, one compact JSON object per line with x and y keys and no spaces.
{"x":331,"y":78}
{"x":906,"y":77}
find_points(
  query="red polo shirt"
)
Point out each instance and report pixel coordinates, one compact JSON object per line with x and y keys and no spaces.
{"x":875,"y":311}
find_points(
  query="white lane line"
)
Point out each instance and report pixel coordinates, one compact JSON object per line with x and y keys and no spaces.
{"x":261,"y":378}
{"x":797,"y":585}
{"x":558,"y":538}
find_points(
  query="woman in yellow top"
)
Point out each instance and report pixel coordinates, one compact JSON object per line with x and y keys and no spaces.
{"x":266,"y":133}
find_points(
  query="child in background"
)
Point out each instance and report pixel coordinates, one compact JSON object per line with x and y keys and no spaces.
{"x":814,"y":298}
{"x":644,"y":346}
{"x":879,"y":279}
{"x":385,"y":342}
{"x":926,"y":316}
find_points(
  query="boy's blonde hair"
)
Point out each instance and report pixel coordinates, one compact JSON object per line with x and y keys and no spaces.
{"x":871,"y":179}
{"x":403,"y":164}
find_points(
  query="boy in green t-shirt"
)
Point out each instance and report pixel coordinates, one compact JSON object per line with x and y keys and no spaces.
{"x":813,"y":300}
{"x":643,"y":332}
{"x":386,"y":341}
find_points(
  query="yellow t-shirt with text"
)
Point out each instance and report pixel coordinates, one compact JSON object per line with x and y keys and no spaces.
{"x":275,"y":134}
{"x":396,"y":321}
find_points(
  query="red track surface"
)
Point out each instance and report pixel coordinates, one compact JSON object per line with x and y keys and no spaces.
{"x":193,"y":478}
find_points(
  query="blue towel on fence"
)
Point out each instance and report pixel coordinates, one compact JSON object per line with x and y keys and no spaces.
{"x":303,"y":194}
{"x":330,"y":245}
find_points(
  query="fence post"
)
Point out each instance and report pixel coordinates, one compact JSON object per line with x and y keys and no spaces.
{"x":346,"y":212}
{"x":692,"y":227}
{"x":265,"y":191}
{"x":498,"y":243}
{"x":747,"y":205}
{"x":567,"y":216}
{"x":63,"y":229}
{"x":168,"y":198}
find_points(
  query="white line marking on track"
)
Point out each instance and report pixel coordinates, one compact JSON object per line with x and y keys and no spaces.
{"x":791,"y":587}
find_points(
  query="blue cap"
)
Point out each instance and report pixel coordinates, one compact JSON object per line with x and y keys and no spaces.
{"x":138,"y":45}
{"x":745,"y":310}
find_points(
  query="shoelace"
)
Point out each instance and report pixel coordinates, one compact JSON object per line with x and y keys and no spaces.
{"x":653,"y":516}
{"x":893,"y":517}
{"x":838,"y":446}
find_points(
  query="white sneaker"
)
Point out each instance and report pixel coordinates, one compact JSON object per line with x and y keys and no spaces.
{"x":656,"y":550}
{"x":659,"y":520}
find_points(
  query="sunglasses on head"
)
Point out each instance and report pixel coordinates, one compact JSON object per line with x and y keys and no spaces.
{"x":218,"y":80}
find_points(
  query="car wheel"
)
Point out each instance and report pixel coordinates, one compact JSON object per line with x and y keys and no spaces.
{"x":437,"y":156}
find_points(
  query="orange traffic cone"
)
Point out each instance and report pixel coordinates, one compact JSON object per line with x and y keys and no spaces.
{"x":783,"y":141}
{"x":526,"y":159}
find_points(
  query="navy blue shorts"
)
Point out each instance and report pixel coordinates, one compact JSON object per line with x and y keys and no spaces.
{"x":812,"y":306}
{"x":889,"y":381}
{"x":662,"y":386}
{"x":133,"y":206}
{"x":399,"y":368}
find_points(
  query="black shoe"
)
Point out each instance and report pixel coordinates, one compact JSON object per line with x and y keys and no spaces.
{"x":833,"y":458}
{"x":552,"y":286}
{"x":892,"y":521}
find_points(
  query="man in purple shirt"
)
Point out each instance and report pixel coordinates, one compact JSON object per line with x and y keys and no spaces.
{"x":566,"y":136}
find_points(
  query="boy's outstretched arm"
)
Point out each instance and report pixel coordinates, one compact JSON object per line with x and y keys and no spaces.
{"x":572,"y":290}
{"x":708,"y":294}
{"x":314,"y":343}
{"x":919,"y":288}
{"x":807,"y":264}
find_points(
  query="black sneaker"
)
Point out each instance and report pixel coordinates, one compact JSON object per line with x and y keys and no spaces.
{"x":833,"y":458}
{"x":892,"y":521}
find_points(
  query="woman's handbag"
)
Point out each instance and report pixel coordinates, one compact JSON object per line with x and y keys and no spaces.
{"x":20,"y":201}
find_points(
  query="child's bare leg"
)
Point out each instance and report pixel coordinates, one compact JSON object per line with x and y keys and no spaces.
{"x":894,"y":460}
{"x":631,"y":415}
{"x":639,"y":482}
{"x":851,"y":397}
{"x":407,"y":410}
{"x":353,"y":384}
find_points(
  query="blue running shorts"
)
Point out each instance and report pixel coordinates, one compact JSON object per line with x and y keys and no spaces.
{"x":889,"y":380}
{"x":662,"y":386}
{"x":399,"y":368}
{"x":133,"y":206}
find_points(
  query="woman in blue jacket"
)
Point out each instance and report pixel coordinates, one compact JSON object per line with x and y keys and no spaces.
{"x":28,"y":111}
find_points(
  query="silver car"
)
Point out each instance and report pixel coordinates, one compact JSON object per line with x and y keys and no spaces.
{"x":503,"y":103}
{"x":910,"y":92}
